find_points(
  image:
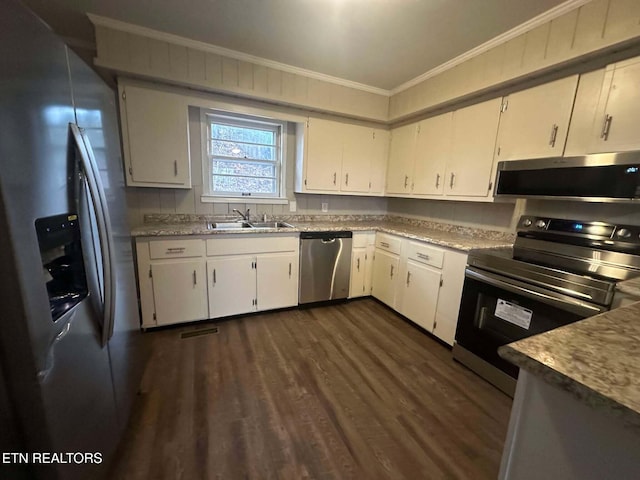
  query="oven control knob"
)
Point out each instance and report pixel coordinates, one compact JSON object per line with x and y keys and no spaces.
{"x":623,"y":233}
{"x":541,"y":224}
{"x":527,"y":222}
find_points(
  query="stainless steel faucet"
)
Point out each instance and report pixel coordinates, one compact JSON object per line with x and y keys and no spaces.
{"x":245,"y":216}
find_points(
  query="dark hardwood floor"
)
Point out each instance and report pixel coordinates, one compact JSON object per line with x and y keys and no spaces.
{"x":342,"y":391}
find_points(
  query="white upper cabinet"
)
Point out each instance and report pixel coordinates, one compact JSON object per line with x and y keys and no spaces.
{"x":155,"y":133}
{"x":580,"y":138}
{"x":401,"y":159}
{"x":535,"y":121}
{"x":323,"y":155}
{"x":432,"y":153}
{"x":344,"y":158}
{"x":615,"y":128}
{"x":470,"y":164}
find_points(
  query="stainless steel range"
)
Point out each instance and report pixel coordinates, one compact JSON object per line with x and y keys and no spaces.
{"x":559,"y":271}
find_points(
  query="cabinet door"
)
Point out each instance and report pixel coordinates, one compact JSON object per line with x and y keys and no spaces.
{"x":232,"y":285}
{"x":580,"y":139}
{"x":420,"y":294}
{"x":433,"y":148}
{"x":474,"y":140}
{"x":535,"y":122}
{"x":379,"y":160}
{"x":357,"y":154}
{"x":156,"y":143}
{"x":277,"y":280}
{"x":616,"y":123}
{"x":450,"y":295}
{"x":358,"y":263}
{"x":324,"y":155}
{"x":385,"y":273}
{"x":368,"y":268}
{"x":179,"y":291}
{"x":401,"y":159}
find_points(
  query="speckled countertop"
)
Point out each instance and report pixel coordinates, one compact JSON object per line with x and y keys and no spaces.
{"x":444,"y":235}
{"x":630,"y":287}
{"x":597,"y":360}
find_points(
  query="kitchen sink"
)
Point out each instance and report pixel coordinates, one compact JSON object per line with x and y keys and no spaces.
{"x":230,"y":225}
{"x":271,"y":225}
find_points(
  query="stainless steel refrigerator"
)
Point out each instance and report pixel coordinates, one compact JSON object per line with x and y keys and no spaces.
{"x":70,"y":345}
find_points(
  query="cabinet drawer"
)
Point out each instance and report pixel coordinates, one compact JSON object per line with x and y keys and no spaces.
{"x":176,"y":248}
{"x":421,"y":253}
{"x":389,"y":243}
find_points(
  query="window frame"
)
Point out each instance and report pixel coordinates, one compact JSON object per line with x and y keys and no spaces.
{"x":208,"y":116}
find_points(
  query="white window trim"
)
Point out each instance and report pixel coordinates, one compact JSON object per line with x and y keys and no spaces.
{"x":209,"y":197}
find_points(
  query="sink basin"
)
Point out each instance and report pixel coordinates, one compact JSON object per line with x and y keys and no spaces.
{"x":230,"y":225}
{"x":270,"y":225}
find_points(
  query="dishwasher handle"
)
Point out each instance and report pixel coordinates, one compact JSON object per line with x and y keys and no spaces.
{"x":325,"y":236}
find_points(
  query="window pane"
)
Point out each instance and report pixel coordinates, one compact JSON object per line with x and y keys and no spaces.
{"x":240,"y":150}
{"x":245,"y":169}
{"x":240,"y":134}
{"x":244,"y":185}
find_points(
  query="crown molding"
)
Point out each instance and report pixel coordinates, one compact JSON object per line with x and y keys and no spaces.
{"x":541,"y":19}
{"x":101,"y":21}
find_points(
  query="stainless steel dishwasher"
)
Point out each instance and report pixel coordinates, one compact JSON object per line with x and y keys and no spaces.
{"x":325,"y":266}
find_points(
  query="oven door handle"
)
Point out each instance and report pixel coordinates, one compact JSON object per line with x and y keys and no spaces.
{"x":562,"y":302}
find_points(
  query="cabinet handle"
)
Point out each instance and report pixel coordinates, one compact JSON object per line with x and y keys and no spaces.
{"x":346,"y":179}
{"x":289,"y":269}
{"x":384,"y":244}
{"x":175,"y":249}
{"x":453,"y":176}
{"x":554,"y":134}
{"x":358,"y":264}
{"x":606,"y":127}
{"x":408,"y":278}
{"x":406,"y":181}
{"x":423,"y":256}
{"x":175,"y":168}
{"x":335,"y":176}
{"x":195,"y":278}
{"x":214,"y":276}
{"x":391,"y":271}
{"x":437,"y":180}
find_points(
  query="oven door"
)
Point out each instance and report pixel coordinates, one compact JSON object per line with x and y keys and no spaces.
{"x":496,"y":310}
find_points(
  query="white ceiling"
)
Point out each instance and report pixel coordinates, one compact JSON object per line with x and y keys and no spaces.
{"x":380,"y":43}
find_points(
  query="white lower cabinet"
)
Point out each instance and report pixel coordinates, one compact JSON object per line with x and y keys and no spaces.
{"x":361,"y":264}
{"x":420,"y":289}
{"x":185,"y":279}
{"x":179,"y":291}
{"x":421,"y":282}
{"x":250,"y":274}
{"x":448,"y":307}
{"x":232,"y":285}
{"x":276,"y":280}
{"x":386,"y":263}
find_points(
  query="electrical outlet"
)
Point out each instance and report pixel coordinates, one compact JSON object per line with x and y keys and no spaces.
{"x":293,"y":206}
{"x":325,"y":207}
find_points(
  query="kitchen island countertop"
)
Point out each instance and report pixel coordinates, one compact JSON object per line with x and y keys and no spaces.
{"x":595,"y":360}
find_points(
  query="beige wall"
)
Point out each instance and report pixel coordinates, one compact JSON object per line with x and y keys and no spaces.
{"x":145,"y":200}
{"x":491,"y":216}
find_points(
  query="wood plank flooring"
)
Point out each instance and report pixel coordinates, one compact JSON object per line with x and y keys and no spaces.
{"x":342,"y":391}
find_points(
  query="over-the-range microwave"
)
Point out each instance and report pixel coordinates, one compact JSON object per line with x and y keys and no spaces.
{"x":605,"y":177}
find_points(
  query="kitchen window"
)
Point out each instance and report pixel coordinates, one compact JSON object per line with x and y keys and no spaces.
{"x":244,"y":156}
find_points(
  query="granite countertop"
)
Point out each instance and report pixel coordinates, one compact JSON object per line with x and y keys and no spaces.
{"x":630,"y":287}
{"x":444,"y":235}
{"x":595,"y":359}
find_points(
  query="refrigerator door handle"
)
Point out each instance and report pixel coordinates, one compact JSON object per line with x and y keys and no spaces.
{"x":104,"y":227}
